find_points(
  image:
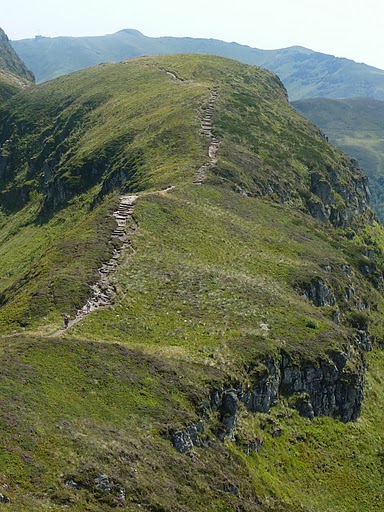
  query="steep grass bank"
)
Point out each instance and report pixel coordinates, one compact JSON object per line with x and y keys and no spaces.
{"x":77,"y":413}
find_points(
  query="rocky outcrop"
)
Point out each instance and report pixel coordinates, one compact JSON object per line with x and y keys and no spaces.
{"x":333,"y":389}
{"x":329,"y":386}
{"x":105,"y":489}
{"x":324,"y":387}
{"x":318,"y":292}
{"x":337,"y":200}
{"x":185,"y":440}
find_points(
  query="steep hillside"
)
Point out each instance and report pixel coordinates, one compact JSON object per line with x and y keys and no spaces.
{"x":355,"y":126}
{"x":230,"y":359}
{"x":13,"y":73}
{"x":305,"y":73}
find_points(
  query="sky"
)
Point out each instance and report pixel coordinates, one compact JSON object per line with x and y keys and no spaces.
{"x":351,"y":29}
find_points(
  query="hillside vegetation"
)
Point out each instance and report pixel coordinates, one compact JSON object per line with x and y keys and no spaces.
{"x":305,"y":73}
{"x":14,"y":75}
{"x":238,"y":366}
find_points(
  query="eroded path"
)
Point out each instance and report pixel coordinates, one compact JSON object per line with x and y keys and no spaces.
{"x":207,"y":130}
{"x":103,"y":291}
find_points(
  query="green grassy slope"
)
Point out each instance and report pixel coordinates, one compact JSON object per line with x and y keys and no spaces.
{"x":355,"y":126}
{"x":14,"y":75}
{"x":211,"y":297}
{"x":304,"y":72}
{"x":79,"y":410}
{"x":10,"y":61}
{"x":10,"y":85}
{"x":82,"y":141}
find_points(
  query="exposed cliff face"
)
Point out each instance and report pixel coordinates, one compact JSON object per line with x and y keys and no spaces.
{"x":339,"y":201}
{"x":326,"y":387}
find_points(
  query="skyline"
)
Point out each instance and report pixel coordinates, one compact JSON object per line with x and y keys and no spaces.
{"x":350,"y":30}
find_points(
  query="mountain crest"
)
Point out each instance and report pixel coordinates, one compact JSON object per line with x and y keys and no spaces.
{"x":9,"y":60}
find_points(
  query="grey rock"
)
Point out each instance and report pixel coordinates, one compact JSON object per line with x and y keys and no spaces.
{"x":317,"y":210}
{"x":332,"y":389}
{"x":71,"y":484}
{"x":364,"y":340}
{"x":277,"y":432}
{"x":303,"y":405}
{"x":185,"y":440}
{"x":254,"y":446}
{"x":232,"y":489}
{"x":349,"y":293}
{"x":324,"y":387}
{"x":4,"y":499}
{"x":347,"y":269}
{"x":319,"y":293}
{"x":228,"y":410}
{"x":336,"y":317}
{"x":264,"y":393}
{"x":102,"y":482}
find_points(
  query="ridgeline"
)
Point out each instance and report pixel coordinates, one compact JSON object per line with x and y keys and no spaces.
{"x":305,"y":73}
{"x":232,"y":361}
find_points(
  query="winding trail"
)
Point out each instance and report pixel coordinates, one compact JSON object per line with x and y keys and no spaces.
{"x":207,"y":130}
{"x":104,"y":291}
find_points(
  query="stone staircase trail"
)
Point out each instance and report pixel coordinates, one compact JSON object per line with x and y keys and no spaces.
{"x":103,"y":291}
{"x":207,"y":130}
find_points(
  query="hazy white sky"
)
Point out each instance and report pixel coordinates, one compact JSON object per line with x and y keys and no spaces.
{"x":350,"y":28}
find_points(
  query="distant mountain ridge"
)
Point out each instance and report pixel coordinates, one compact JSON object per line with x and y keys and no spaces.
{"x":305,"y":73}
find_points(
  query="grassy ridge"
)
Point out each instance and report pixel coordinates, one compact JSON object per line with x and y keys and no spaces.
{"x":216,"y":284}
{"x":188,"y":320}
{"x":146,"y":136}
{"x":132,"y":127}
{"x":224,"y":266}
